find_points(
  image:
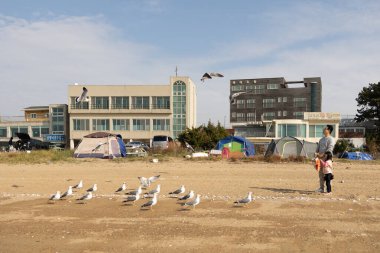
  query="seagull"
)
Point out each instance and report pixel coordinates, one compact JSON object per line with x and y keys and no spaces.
{"x":151,"y":202}
{"x":87,"y":196}
{"x":180,"y":190}
{"x":69,"y":192}
{"x":190,"y":195}
{"x":210,"y":76}
{"x":83,"y":97}
{"x":234,"y":96}
{"x":132,"y":198}
{"x":245,"y":200}
{"x":94,"y":188}
{"x":146,"y":182}
{"x":154,"y":191}
{"x":55,"y":196}
{"x":194,"y":202}
{"x":138,"y":191}
{"x":79,"y":185}
{"x":122,"y":187}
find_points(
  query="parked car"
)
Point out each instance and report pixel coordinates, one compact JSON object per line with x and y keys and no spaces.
{"x":162,"y":142}
{"x":26,"y":143}
{"x":137,"y":144}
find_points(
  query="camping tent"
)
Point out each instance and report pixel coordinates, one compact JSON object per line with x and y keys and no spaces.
{"x":98,"y":145}
{"x":356,"y":156}
{"x":291,"y":146}
{"x":236,"y":144}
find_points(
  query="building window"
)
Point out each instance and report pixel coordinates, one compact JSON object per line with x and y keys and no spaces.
{"x":179,"y":108}
{"x":161,"y":102}
{"x":18,"y":129}
{"x":279,"y":99}
{"x":249,"y":87}
{"x":99,"y":102}
{"x":141,"y":125}
{"x":251,"y":117}
{"x":279,"y":114}
{"x":240,"y":117}
{"x":82,"y":105}
{"x":316,"y":131}
{"x":120,"y":102}
{"x":101,"y":124}
{"x":298,"y":115}
{"x":237,"y":88}
{"x":259,"y":89}
{"x":268,"y":103}
{"x":161,"y":124}
{"x":240,"y":103}
{"x":284,"y":113}
{"x":36,"y":131}
{"x":33,"y":115}
{"x":81,"y":124}
{"x":140,"y":102}
{"x":299,"y":102}
{"x":268,"y":115}
{"x":284,"y":99}
{"x":294,"y":130}
{"x":250,"y":103}
{"x":58,"y":120}
{"x":272,"y":86}
{"x":233,"y":115}
{"x":120,"y":124}
{"x":3,"y":132}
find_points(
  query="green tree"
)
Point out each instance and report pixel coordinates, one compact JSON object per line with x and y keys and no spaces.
{"x":203,"y":137}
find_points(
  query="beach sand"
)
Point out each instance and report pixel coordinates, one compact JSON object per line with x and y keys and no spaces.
{"x":286,"y":216}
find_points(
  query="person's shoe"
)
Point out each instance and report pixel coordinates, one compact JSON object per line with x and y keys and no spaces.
{"x":328,"y":193}
{"x":319,"y":190}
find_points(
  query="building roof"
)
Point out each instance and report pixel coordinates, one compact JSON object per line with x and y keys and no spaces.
{"x":43,"y":107}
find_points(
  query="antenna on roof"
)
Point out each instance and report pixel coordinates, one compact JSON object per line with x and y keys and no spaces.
{"x":176,"y":71}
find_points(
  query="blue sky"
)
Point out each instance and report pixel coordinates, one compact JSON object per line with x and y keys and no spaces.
{"x":46,"y":45}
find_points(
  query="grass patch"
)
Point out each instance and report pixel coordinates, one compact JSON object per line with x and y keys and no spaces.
{"x":37,"y":157}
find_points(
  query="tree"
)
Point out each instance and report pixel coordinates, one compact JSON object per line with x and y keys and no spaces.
{"x":203,"y":137}
{"x":369,"y":106}
{"x":342,"y":145}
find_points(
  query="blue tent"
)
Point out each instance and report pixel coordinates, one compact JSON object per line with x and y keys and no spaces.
{"x":357,"y":156}
{"x":237,"y":143}
{"x":123,"y":150}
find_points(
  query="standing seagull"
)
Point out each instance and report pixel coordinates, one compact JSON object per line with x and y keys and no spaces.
{"x":79,"y":185}
{"x":180,"y":190}
{"x":94,"y":188}
{"x":154,"y":191}
{"x":245,"y":200}
{"x":194,"y":202}
{"x":210,"y":76}
{"x":190,"y":195}
{"x":138,"y":191}
{"x":151,"y":202}
{"x":122,"y":187}
{"x":55,"y":196}
{"x":83,"y":96}
{"x":132,"y":198}
{"x":69,"y":192}
{"x":85,"y":197}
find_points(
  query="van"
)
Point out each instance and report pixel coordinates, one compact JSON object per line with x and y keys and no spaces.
{"x":162,"y":142}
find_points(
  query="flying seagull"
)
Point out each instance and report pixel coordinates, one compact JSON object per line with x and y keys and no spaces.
{"x":234,"y":96}
{"x":94,"y":188}
{"x":210,"y":76}
{"x":245,"y":200}
{"x":69,"y":192}
{"x":194,"y":202}
{"x":146,"y":182}
{"x":151,"y":202}
{"x":132,"y":198}
{"x":87,"y":196}
{"x":138,"y":191}
{"x":79,"y":185}
{"x":180,"y":190}
{"x":83,"y":97}
{"x":190,"y":195}
{"x":55,"y":196}
{"x":122,"y":187}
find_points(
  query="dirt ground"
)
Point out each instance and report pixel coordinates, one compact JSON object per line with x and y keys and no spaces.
{"x":286,"y":216}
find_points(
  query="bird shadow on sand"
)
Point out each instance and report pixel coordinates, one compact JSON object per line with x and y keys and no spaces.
{"x":184,"y":210}
{"x":283,"y":190}
{"x":80,"y":203}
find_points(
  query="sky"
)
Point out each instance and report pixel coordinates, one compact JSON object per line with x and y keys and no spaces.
{"x":45,"y":45}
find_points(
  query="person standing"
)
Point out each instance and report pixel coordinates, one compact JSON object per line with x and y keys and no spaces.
{"x":325,"y":144}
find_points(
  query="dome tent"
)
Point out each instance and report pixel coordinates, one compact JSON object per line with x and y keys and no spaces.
{"x":291,"y":146}
{"x":98,"y":145}
{"x":236,"y":144}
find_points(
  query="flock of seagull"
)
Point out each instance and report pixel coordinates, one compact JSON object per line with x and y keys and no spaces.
{"x":191,"y":199}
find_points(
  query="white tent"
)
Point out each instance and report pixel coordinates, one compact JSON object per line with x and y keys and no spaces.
{"x":98,"y":145}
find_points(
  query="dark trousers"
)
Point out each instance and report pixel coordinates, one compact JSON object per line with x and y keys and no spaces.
{"x":328,"y":178}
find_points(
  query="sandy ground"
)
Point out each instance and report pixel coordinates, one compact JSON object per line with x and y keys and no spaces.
{"x":286,"y":216}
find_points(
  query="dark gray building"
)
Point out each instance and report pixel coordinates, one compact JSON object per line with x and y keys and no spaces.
{"x":259,"y":100}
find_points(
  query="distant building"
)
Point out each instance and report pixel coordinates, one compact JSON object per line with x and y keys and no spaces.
{"x":44,"y":123}
{"x":256,"y":103}
{"x":354,"y":131}
{"x":137,"y":112}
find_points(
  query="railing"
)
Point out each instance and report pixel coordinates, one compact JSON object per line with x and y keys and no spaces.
{"x":102,"y":106}
{"x":81,"y":106}
{"x":119,"y":106}
{"x":300,"y":104}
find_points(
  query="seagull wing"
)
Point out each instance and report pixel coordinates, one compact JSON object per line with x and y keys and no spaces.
{"x":216,"y":74}
{"x":205,"y":76}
